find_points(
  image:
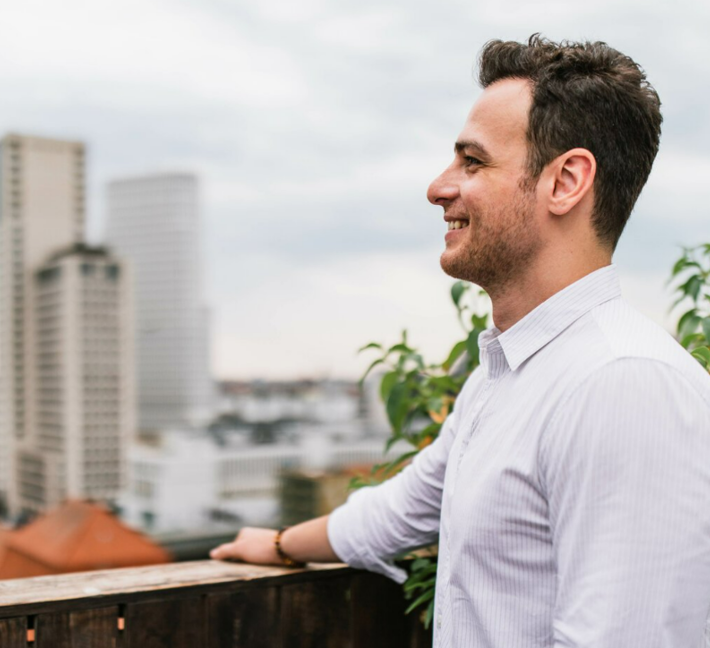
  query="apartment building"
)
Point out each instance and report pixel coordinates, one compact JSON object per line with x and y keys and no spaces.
{"x":42,"y":209}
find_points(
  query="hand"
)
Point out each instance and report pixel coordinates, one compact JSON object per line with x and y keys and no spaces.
{"x":251,"y":545}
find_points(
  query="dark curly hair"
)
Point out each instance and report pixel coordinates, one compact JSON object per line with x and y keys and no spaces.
{"x":591,"y":96}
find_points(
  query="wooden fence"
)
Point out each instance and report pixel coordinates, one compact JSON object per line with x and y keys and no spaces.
{"x":211,"y":604}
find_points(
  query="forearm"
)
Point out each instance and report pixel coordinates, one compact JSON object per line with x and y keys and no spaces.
{"x":308,"y":542}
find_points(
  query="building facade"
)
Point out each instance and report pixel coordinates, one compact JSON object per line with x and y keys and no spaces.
{"x":84,"y":360}
{"x":42,"y":196}
{"x":180,"y":481}
{"x":154,"y":222}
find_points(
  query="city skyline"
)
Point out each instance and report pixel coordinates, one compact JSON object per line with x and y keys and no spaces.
{"x":316,"y":132}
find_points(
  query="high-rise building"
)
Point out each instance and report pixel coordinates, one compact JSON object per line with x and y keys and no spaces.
{"x":154,"y":222}
{"x":41,"y":210}
{"x":84,"y":409}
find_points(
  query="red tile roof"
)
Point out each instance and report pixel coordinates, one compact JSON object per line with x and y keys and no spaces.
{"x":76,"y":536}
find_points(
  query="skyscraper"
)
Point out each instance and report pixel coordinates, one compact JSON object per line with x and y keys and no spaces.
{"x":41,"y":210}
{"x":85,"y":407}
{"x":154,"y":222}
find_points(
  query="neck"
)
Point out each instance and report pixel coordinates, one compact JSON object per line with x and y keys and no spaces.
{"x":543,"y":279}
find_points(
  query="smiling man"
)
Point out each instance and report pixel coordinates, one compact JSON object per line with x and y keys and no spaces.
{"x":570,"y":488}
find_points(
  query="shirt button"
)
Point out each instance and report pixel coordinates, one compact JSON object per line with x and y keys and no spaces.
{"x":438,"y":622}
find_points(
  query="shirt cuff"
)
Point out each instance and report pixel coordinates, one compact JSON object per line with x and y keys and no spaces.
{"x":347,"y":537}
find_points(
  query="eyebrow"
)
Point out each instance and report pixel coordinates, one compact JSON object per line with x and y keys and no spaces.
{"x":461,"y":145}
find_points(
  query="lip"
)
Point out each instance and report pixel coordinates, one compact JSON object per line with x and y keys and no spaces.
{"x":452,"y":235}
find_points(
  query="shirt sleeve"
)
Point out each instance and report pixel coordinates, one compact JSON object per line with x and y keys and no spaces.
{"x":380,"y":522}
{"x":626,"y":468}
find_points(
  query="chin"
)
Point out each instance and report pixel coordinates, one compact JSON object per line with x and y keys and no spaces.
{"x":453,"y":266}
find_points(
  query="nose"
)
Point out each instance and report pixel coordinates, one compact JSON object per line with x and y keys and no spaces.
{"x":443,"y":189}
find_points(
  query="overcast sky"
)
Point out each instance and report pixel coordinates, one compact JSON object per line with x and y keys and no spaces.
{"x":315,"y":127}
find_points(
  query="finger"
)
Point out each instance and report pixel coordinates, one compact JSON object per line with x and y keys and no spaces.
{"x":223,"y":551}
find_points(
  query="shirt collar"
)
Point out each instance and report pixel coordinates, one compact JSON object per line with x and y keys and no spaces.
{"x":549,"y":319}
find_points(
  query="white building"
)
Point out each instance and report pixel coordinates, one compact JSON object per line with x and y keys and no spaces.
{"x":85,"y":408}
{"x":154,"y":222}
{"x":178,"y":481}
{"x":326,"y":401}
{"x":41,"y":210}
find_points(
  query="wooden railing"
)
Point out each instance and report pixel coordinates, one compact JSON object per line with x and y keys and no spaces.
{"x":208,"y":604}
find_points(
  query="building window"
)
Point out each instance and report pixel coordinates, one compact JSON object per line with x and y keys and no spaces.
{"x":49,"y":274}
{"x":148,"y":519}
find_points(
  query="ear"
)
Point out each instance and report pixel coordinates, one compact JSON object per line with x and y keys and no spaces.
{"x":573,"y":178}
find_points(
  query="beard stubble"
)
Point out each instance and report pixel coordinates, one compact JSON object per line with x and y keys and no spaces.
{"x":499,"y":246}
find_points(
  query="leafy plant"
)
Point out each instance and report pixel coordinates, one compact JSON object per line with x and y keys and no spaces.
{"x":691,"y":273}
{"x":418,"y":397}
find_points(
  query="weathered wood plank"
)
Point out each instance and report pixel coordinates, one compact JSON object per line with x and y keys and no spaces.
{"x":418,"y":637}
{"x":165,"y":624}
{"x":100,"y":588}
{"x":13,"y":632}
{"x":81,"y":629}
{"x":246,"y":618}
{"x":317,"y":614}
{"x":378,"y":612}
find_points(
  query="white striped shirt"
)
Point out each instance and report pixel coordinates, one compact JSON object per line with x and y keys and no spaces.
{"x":569,"y":489}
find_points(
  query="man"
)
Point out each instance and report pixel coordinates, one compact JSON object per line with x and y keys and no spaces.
{"x":570,"y":488}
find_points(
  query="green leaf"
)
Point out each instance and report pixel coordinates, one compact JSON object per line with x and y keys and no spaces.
{"x":420,"y":563}
{"x":690,"y":325}
{"x":410,"y":589}
{"x":388,"y":381}
{"x":472,"y":346}
{"x":706,"y":328}
{"x":373,"y":364}
{"x":399,"y":348}
{"x":479,"y":322}
{"x":429,"y":614}
{"x":691,"y":339}
{"x":372,"y":345}
{"x":702,"y":354}
{"x":683,"y":263}
{"x":392,"y":440}
{"x":435,"y":404}
{"x":427,"y":596}
{"x":397,"y":406}
{"x":394,"y":465}
{"x":678,"y":266}
{"x":454,"y":355}
{"x":457,"y":291}
{"x":431,"y":430}
{"x":422,"y":572}
{"x":686,"y":315}
{"x":692,"y":287}
{"x":695,"y":286}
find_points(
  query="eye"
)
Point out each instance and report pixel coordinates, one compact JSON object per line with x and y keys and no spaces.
{"x":471,"y":161}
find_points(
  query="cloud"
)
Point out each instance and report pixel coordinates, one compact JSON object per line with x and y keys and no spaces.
{"x":316,"y":127}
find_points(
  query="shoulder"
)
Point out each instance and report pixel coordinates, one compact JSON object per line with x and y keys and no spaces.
{"x":618,"y":347}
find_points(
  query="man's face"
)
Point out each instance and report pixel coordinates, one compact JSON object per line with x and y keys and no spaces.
{"x":484,"y":193}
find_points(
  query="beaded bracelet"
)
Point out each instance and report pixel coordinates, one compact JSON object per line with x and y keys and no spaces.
{"x":285,"y":558}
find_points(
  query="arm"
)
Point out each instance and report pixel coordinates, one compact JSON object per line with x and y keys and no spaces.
{"x":626,"y":468}
{"x":375,"y":525}
{"x":306,"y":542}
{"x":379,"y":523}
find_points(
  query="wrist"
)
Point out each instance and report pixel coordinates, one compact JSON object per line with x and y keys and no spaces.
{"x":285,"y":556}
